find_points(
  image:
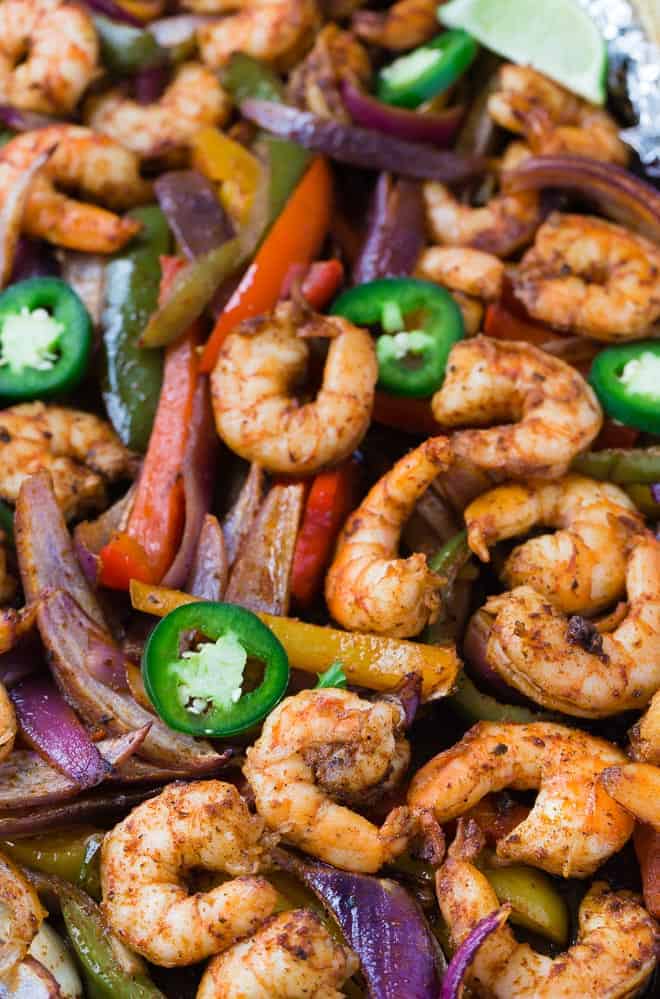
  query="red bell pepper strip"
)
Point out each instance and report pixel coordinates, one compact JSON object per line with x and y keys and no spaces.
{"x":147,"y":548}
{"x":332,"y":496}
{"x":414,"y":416}
{"x":614,"y":434}
{"x":318,"y":284}
{"x":295,"y":238}
{"x":501,"y":324}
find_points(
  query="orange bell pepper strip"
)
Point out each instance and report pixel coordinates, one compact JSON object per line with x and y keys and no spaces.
{"x":147,"y":547}
{"x":647,"y":848}
{"x":295,"y":238}
{"x":331,"y":498}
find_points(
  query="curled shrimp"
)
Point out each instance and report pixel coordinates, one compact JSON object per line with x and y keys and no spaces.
{"x":591,"y":277}
{"x":568,"y":665}
{"x":502,"y":226}
{"x":22,"y":915}
{"x":80,"y":451}
{"x":326,"y":744}
{"x":367,"y":587}
{"x":193,"y":100}
{"x":636,"y":786}
{"x":146,"y":858}
{"x":472,"y":276}
{"x":90,"y":163}
{"x":402,"y":26}
{"x":315,"y":83}
{"x":255,"y":413}
{"x":292,"y":955}
{"x":645,"y":735}
{"x":552,"y":120}
{"x":581,"y":568}
{"x":613,"y":957}
{"x":275,"y":31}
{"x":493,"y":381}
{"x":573,"y":827}
{"x":49,"y":53}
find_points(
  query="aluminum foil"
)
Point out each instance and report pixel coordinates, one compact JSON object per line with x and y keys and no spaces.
{"x":635,"y":62}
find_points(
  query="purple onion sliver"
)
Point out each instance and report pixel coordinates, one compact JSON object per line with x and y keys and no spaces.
{"x":25,"y":121}
{"x":149,"y":84}
{"x":395,"y":231}
{"x":50,"y":726}
{"x":195,"y":216}
{"x":24,"y":658}
{"x":655,"y":492}
{"x":210,"y":567}
{"x":106,"y":662}
{"x":434,"y":129}
{"x":115,"y":11}
{"x":452,"y":983}
{"x":33,"y":258}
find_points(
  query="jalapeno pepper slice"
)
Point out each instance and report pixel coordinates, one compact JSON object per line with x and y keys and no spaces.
{"x":45,"y":339}
{"x":426,"y":71}
{"x":193,"y":669}
{"x":421,"y":323}
{"x":626,"y":380}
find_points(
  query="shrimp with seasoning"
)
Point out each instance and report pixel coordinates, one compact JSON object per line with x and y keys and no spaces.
{"x":613,"y":957}
{"x":292,"y":956}
{"x":502,"y":226}
{"x":22,"y":914}
{"x":49,"y":54}
{"x":581,"y":568}
{"x":330,"y":744}
{"x":80,"y":451}
{"x":367,"y":587}
{"x":472,"y":277}
{"x":194,"y":99}
{"x":278,"y":32}
{"x":567,"y":664}
{"x":574,"y":825}
{"x":258,"y":365}
{"x":592,"y":277}
{"x":636,"y":786}
{"x":402,"y":26}
{"x":552,"y":120}
{"x":645,"y":735}
{"x":90,"y":163}
{"x":491,"y":381}
{"x":315,"y":83}
{"x":145,"y":859}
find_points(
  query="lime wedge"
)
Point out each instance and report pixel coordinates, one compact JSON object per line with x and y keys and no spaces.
{"x":554,"y":36}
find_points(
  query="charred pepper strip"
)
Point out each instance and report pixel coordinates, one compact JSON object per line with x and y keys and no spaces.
{"x":620,"y":465}
{"x":200,"y":691}
{"x":125,"y":50}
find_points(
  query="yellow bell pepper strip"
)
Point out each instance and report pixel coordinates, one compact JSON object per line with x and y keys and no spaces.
{"x":535,"y":902}
{"x":295,"y":238}
{"x":226,"y":162}
{"x":367,"y":660}
{"x":72,"y":854}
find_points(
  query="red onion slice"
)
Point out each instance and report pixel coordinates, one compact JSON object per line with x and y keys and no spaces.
{"x":195,"y":216}
{"x":209,"y":570}
{"x":113,"y":10}
{"x":395,"y":231}
{"x":11,"y":214}
{"x":434,"y":129}
{"x":48,"y":724}
{"x":452,"y":983}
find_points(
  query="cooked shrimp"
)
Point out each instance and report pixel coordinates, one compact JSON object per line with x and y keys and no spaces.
{"x":8,"y":727}
{"x":146,"y":858}
{"x":568,"y":665}
{"x":581,"y":568}
{"x":506,"y":223}
{"x":292,"y":956}
{"x":21,"y":913}
{"x":491,"y":381}
{"x":275,"y":31}
{"x":645,"y":735}
{"x":552,"y":120}
{"x":193,"y":100}
{"x":87,"y":162}
{"x":636,"y":786}
{"x":49,"y":53}
{"x":591,"y":277}
{"x":367,"y":587}
{"x":613,"y":957}
{"x":257,"y":416}
{"x":462,"y":269}
{"x":404,"y":25}
{"x":315,"y":83}
{"x":326,"y":744}
{"x":80,"y":451}
{"x":572,"y":828}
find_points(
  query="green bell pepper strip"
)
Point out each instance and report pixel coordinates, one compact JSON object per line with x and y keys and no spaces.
{"x":451,"y":562}
{"x":535,"y":902}
{"x":72,"y":854}
{"x":428,"y":70}
{"x":104,"y":976}
{"x":245,"y":77}
{"x":125,"y":50}
{"x":45,"y":339}
{"x":133,"y":377}
{"x":411,"y":362}
{"x":475,"y":706}
{"x":619,"y":465}
{"x":200,"y":692}
{"x":643,"y":499}
{"x":626,"y":380}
